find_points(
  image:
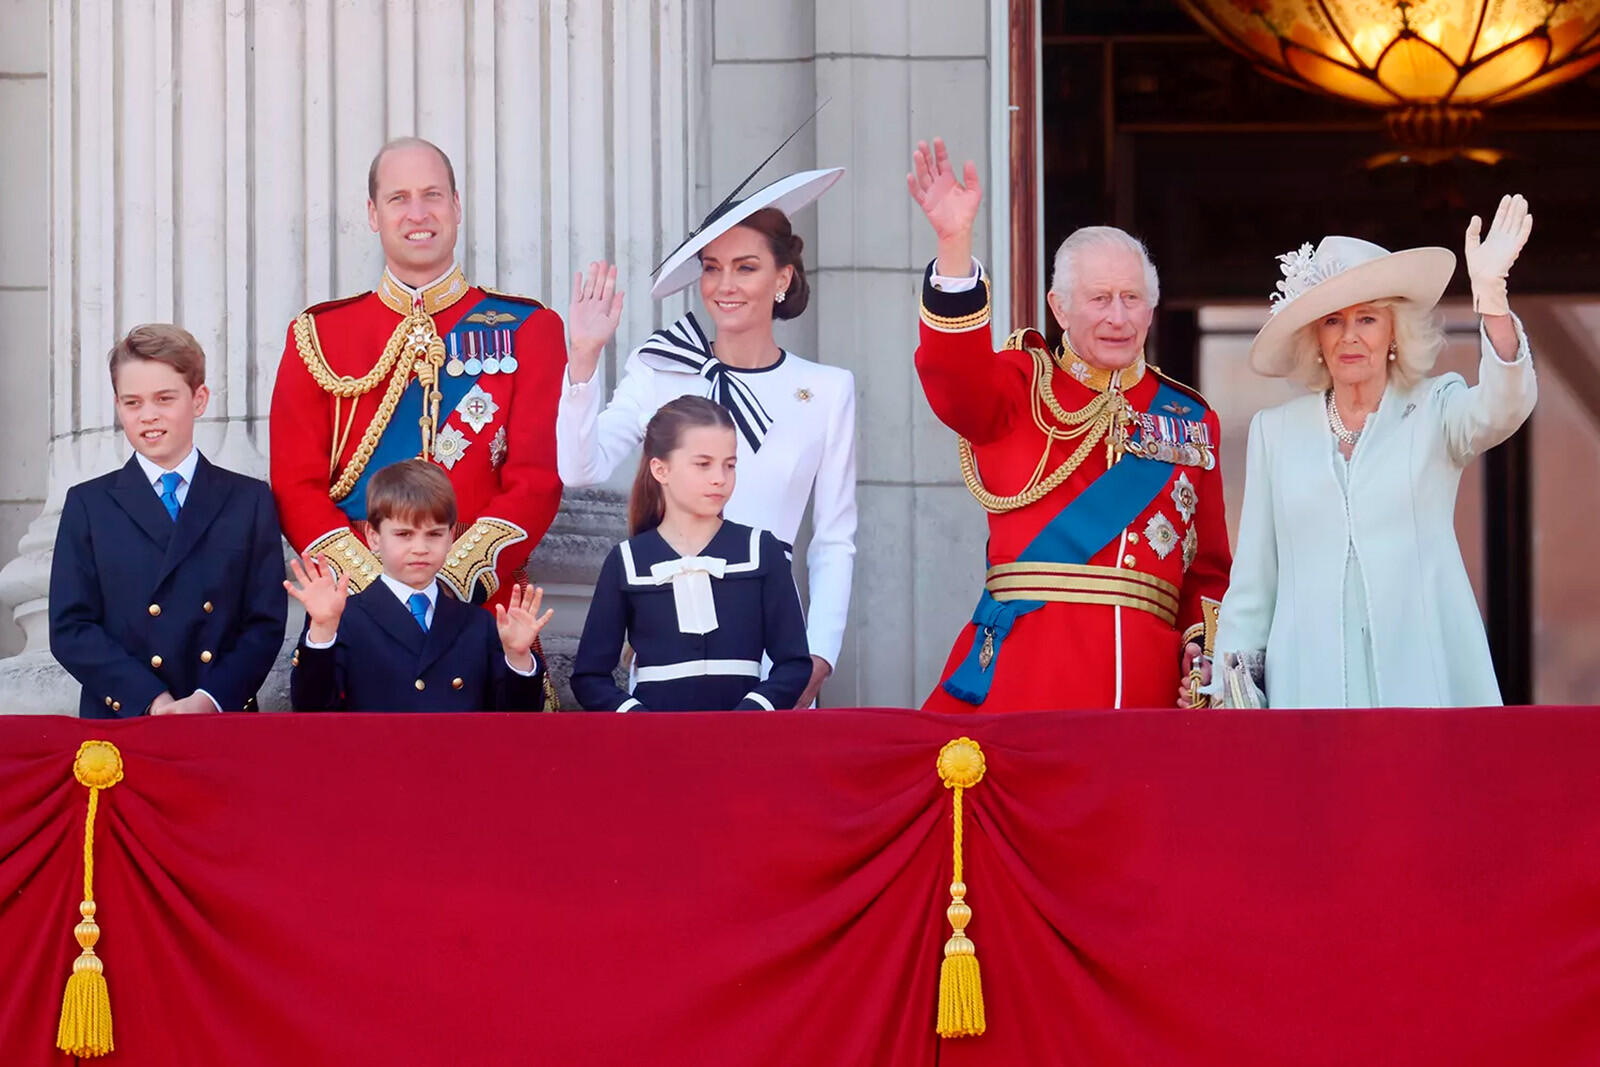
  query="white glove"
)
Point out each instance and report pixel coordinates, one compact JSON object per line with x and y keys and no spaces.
{"x":1490,"y":261}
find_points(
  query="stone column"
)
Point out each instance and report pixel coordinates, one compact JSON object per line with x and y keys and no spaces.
{"x":893,"y":71}
{"x":208,"y":166}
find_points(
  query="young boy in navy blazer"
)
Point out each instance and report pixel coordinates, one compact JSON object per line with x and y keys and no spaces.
{"x":402,"y":643}
{"x":166,"y":589}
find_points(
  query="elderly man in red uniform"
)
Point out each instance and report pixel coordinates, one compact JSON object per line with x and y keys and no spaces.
{"x":1108,"y":545}
{"x":426,"y":365}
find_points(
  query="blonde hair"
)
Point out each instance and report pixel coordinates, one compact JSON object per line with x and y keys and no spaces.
{"x":1418,"y":340}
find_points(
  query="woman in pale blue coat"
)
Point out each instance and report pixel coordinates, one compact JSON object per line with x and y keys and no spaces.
{"x":1347,"y":579}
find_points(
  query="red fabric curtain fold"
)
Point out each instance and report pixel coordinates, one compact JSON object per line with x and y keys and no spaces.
{"x":1388,"y":887}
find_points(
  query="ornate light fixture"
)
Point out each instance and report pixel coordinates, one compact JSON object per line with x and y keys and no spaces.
{"x":1431,"y":64}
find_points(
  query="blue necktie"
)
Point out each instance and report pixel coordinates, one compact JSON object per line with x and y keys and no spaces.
{"x":169,"y":492}
{"x":418,"y":603}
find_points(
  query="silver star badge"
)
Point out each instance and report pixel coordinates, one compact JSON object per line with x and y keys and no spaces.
{"x":448,"y":446}
{"x":477,"y":409}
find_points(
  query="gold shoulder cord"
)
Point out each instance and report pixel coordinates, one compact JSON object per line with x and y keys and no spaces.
{"x":1091,"y":423}
{"x":416,"y":331}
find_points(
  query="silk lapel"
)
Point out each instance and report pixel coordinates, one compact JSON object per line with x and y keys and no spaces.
{"x":208,"y":494}
{"x":138,"y":498}
{"x":385,"y":609}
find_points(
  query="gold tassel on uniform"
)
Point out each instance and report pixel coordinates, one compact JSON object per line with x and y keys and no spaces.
{"x":85,"y":1028}
{"x":960,"y":989}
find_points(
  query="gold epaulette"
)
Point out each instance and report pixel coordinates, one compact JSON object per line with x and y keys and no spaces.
{"x":472,"y":557}
{"x":1019,"y":341}
{"x":347,"y":554}
{"x":958,"y":323}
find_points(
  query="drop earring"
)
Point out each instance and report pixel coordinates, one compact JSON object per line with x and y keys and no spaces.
{"x":1394,"y":353}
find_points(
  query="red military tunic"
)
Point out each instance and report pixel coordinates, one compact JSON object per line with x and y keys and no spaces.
{"x":497,"y":445}
{"x":1107,"y":649}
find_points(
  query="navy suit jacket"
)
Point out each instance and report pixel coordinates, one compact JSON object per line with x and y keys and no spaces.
{"x":383,"y":661}
{"x":140,"y":604}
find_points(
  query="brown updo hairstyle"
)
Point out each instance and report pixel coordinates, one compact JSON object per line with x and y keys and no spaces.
{"x":786,"y":246}
{"x":648,"y":504}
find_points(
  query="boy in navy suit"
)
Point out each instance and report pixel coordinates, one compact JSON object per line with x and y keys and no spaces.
{"x":401,"y":644}
{"x":165,"y":590}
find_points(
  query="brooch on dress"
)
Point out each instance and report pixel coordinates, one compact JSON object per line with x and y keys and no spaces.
{"x":803,"y":395}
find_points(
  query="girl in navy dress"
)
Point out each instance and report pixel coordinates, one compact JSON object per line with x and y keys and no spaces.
{"x":700,"y":599}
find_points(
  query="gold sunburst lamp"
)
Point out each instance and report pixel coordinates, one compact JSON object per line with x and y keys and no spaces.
{"x":1432,"y":65}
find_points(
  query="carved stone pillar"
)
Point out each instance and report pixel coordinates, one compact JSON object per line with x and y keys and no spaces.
{"x":208,"y":167}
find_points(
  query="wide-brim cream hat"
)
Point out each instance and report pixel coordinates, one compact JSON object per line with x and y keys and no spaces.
{"x":1341,"y":272}
{"x":788,"y":195}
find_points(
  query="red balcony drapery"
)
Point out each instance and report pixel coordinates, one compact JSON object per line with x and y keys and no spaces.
{"x":1383,"y":887}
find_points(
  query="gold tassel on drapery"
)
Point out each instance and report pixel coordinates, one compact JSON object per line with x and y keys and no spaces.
{"x":85,"y":1028}
{"x":960,"y":989}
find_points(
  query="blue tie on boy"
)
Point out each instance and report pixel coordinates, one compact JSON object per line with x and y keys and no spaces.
{"x":169,"y":493}
{"x":379,"y":650}
{"x":148,"y":613}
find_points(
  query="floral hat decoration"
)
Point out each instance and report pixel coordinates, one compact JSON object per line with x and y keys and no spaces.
{"x":1339,"y":273}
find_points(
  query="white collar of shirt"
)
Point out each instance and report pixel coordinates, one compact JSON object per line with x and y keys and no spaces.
{"x":184,"y":470}
{"x":404,"y":593}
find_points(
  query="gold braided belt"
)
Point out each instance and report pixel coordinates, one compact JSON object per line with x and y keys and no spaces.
{"x":1074,"y":583}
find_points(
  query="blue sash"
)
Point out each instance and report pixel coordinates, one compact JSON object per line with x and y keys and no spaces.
{"x":492,"y":332}
{"x":1086,"y":525}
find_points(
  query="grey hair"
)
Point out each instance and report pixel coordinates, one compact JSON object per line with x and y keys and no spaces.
{"x":1418,"y":340}
{"x":1087,"y":238}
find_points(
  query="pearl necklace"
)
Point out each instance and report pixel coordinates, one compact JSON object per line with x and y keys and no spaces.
{"x":1336,"y":424}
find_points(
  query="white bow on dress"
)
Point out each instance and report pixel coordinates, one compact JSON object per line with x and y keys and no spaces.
{"x":691,"y":590}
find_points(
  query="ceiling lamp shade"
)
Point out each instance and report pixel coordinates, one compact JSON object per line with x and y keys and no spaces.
{"x":1431,"y":64}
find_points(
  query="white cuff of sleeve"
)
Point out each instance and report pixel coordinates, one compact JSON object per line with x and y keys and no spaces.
{"x":525,"y":674}
{"x":759,"y":699}
{"x":947,"y":284}
{"x":322,"y":644}
{"x":572,"y":388}
{"x":629,"y":705}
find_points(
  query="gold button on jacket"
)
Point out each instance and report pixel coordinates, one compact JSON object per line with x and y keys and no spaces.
{"x":421,"y":685}
{"x":155,"y":661}
{"x":154,"y":609}
{"x":205,"y":657}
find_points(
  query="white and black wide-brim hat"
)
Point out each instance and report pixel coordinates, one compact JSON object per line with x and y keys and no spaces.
{"x":788,"y":195}
{"x":1341,"y":272}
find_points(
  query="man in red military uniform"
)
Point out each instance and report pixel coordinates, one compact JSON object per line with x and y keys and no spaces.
{"x":426,"y":365}
{"x":1108,"y":544}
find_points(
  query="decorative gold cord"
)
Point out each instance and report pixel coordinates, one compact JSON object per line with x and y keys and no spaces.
{"x":310,"y":348}
{"x":1091,"y":423}
{"x":415,"y":332}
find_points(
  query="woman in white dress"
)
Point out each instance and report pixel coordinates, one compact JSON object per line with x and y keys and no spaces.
{"x":1347,"y":578}
{"x":795,"y":418}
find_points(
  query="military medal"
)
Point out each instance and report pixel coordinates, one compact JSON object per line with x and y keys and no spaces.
{"x":474,"y":364}
{"x":491,"y":361}
{"x":508,"y":362}
{"x":455,"y":368}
